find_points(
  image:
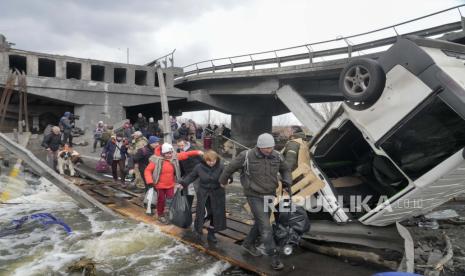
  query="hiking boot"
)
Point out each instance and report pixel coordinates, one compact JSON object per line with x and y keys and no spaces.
{"x":276,"y":263}
{"x":163,"y":220}
{"x":211,"y":236}
{"x":251,"y":249}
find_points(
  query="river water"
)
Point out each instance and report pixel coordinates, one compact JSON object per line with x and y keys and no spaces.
{"x":117,"y":245}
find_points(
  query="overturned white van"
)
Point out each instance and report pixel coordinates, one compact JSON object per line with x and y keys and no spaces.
{"x":399,"y":136}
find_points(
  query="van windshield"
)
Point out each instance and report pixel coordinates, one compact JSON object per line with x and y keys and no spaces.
{"x":432,"y":135}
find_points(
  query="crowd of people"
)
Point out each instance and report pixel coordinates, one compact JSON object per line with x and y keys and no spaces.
{"x":138,"y":150}
{"x":204,"y":175}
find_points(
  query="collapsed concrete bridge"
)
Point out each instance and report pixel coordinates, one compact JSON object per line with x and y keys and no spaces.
{"x":246,"y":86}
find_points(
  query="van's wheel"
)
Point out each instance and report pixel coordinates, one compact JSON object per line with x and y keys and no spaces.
{"x":362,"y":82}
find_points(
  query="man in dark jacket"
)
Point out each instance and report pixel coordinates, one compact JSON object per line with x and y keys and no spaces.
{"x":66,"y":127}
{"x":226,"y":131}
{"x":142,"y":155}
{"x":259,"y":178}
{"x":52,"y":143}
{"x":141,"y":123}
{"x":153,"y":129}
{"x":183,"y":131}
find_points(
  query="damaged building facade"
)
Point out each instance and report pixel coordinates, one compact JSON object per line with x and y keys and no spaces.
{"x":94,"y":90}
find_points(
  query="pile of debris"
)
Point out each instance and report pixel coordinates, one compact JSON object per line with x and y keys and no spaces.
{"x":439,"y":243}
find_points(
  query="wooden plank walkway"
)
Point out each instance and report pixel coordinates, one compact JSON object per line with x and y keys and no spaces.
{"x":228,"y":248}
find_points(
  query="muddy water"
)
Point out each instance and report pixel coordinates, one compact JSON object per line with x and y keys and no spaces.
{"x":119,"y":246}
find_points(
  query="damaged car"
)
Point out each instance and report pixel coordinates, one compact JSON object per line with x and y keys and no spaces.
{"x":398,"y":139}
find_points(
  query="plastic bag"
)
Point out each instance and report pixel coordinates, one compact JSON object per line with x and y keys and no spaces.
{"x":102,"y":166}
{"x":150,"y":200}
{"x":180,"y":212}
{"x":297,"y":220}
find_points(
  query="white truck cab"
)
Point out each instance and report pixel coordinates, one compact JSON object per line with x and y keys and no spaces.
{"x":399,"y":137}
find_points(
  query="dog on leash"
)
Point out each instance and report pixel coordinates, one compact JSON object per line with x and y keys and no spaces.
{"x":67,"y":158}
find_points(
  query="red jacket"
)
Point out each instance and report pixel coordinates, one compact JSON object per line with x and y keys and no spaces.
{"x":167,"y":176}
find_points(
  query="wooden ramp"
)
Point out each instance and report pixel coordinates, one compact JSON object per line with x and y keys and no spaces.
{"x":128,"y":203}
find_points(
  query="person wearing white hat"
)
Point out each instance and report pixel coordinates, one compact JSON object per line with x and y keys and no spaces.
{"x":260,"y":167}
{"x":163,"y":172}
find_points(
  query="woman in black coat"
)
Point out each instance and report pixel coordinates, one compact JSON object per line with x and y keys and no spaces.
{"x":210,"y":194}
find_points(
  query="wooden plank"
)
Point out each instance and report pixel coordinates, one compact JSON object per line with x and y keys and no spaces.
{"x":303,"y":182}
{"x":238,"y":226}
{"x":102,"y":192}
{"x":311,"y":189}
{"x":125,"y":190}
{"x":237,"y":236}
{"x":240,"y":220}
{"x":301,"y":169}
{"x":346,"y":181}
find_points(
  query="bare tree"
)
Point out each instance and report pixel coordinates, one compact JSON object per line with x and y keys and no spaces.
{"x":282,"y":120}
{"x":325,"y":110}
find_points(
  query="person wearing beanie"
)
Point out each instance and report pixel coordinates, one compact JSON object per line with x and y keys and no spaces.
{"x":115,"y":152}
{"x":259,"y":179}
{"x":163,"y":172}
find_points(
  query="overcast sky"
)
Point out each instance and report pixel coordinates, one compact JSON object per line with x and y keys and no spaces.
{"x":197,"y":29}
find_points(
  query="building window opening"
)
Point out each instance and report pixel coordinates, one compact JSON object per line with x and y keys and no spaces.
{"x":73,"y":70}
{"x":17,"y":63}
{"x":97,"y":72}
{"x":120,"y":75}
{"x":141,"y":77}
{"x":47,"y":67}
{"x":157,"y":83}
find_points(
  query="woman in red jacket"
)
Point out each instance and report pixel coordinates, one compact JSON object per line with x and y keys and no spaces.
{"x":163,"y":172}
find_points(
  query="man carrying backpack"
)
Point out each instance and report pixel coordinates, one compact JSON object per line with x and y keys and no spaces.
{"x":66,"y":126}
{"x":259,"y":178}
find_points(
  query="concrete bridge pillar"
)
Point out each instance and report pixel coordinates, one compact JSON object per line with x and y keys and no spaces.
{"x":246,"y":128}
